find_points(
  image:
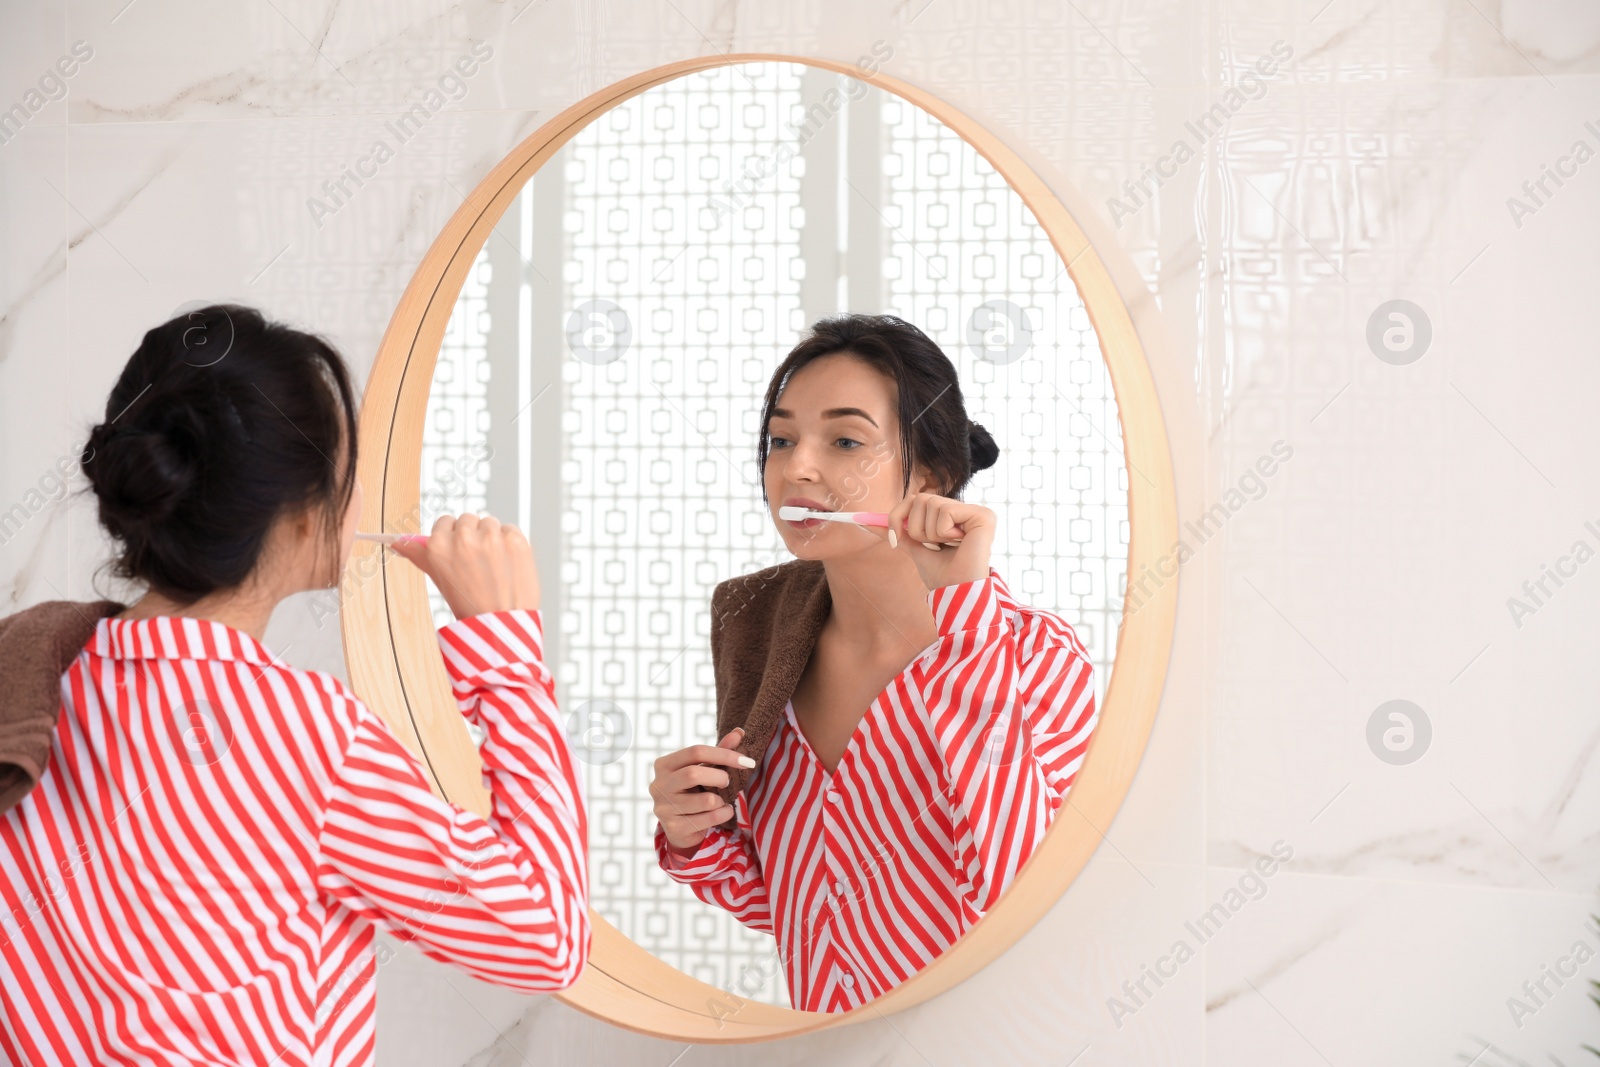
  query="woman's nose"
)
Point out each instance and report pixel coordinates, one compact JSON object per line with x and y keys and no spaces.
{"x":802,"y":465}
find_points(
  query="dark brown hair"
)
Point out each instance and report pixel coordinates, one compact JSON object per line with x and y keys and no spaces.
{"x":221,"y":422}
{"x":934,"y":429}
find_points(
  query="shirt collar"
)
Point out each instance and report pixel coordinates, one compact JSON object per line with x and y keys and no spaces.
{"x":176,"y":637}
{"x":1003,"y":592}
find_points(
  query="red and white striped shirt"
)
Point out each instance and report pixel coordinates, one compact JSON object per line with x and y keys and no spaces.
{"x":197,"y":878}
{"x":866,"y":875}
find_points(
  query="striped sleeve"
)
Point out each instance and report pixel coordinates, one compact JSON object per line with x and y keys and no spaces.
{"x":505,"y":898}
{"x":1010,"y":699}
{"x":724,"y":871}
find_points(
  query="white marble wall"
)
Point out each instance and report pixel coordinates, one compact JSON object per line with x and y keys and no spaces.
{"x":1375,"y":164}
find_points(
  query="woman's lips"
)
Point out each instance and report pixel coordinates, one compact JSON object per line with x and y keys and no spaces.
{"x":805,"y":524}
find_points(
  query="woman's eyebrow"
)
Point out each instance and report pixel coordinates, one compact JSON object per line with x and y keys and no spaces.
{"x":831,"y":413}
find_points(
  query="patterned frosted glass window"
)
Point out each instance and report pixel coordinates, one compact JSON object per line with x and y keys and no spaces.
{"x":455,"y":472}
{"x":968,"y":262}
{"x":662,"y":498}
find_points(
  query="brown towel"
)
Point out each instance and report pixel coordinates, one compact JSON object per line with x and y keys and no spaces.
{"x":36,"y":648}
{"x":763,"y":628}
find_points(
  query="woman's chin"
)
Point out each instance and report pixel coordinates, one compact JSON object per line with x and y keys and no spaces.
{"x":806,"y":542}
{"x":809,"y":544}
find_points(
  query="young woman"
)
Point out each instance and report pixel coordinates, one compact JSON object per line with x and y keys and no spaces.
{"x":935,"y":725}
{"x":198,"y":877}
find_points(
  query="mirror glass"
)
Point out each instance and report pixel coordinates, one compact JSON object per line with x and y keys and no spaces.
{"x":602,"y":378}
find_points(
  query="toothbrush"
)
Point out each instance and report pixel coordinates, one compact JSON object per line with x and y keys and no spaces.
{"x":389,"y":539}
{"x":859,"y":518}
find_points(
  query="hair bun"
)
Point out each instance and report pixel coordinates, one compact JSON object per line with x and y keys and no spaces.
{"x":984,"y":451}
{"x":139,"y":475}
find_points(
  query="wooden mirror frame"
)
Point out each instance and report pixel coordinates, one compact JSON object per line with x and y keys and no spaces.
{"x":393,"y":658}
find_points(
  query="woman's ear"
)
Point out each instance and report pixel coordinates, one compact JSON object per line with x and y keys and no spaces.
{"x":305,"y":533}
{"x":923,"y":481}
{"x":310,"y":529}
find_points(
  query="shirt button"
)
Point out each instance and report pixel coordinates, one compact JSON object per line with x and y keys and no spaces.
{"x":849,"y":981}
{"x":838,"y":887}
{"x":833,"y":795}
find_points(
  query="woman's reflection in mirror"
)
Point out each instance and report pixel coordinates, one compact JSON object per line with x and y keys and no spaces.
{"x":934,"y":724}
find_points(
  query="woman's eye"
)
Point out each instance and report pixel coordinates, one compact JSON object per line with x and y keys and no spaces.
{"x":780,"y":442}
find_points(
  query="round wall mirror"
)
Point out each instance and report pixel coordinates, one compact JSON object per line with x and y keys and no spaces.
{"x":584,"y":352}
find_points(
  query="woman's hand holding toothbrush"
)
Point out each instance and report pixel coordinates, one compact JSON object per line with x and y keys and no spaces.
{"x":924,"y":521}
{"x":480,"y":564}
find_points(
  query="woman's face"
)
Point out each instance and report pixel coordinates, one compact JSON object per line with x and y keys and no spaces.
{"x":834,"y":446}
